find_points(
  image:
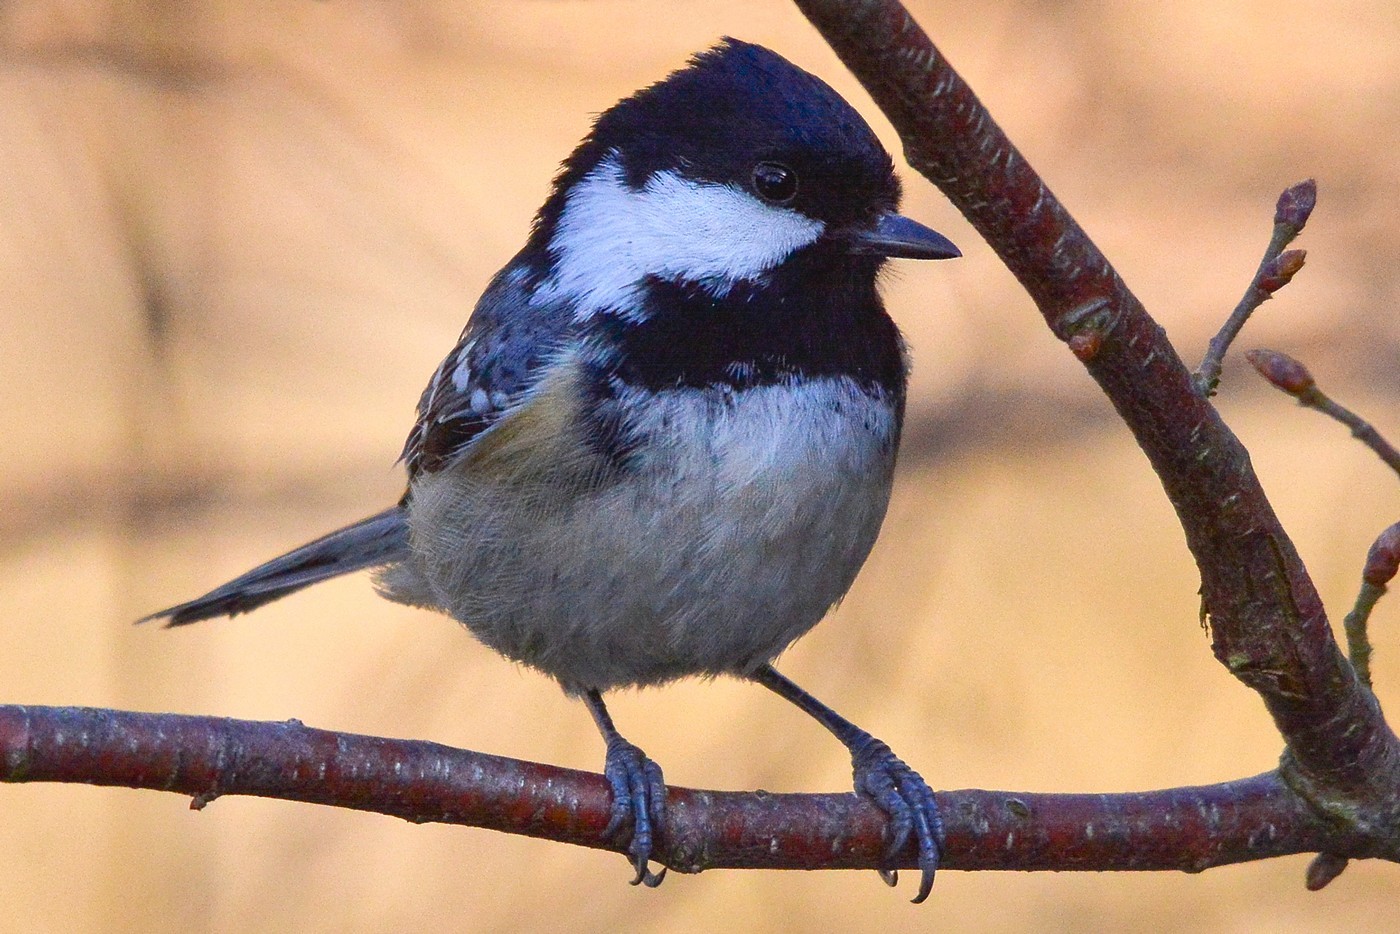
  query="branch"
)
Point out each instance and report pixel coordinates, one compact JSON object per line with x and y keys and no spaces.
{"x":1292,"y":377}
{"x":1187,"y":829}
{"x":1276,"y":270}
{"x":1338,"y":788}
{"x":1383,"y":559}
{"x":1382,"y":563}
{"x":1267,"y":623}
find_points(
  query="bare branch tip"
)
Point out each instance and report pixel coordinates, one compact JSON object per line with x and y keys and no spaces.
{"x":1383,"y":560}
{"x":1295,"y":205}
{"x":1281,"y":370}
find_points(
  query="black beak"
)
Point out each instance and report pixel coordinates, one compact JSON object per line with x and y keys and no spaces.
{"x":896,"y":236}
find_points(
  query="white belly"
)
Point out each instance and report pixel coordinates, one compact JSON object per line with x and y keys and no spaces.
{"x":741,"y":521}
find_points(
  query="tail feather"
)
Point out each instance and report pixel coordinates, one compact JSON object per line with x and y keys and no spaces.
{"x":381,"y":539}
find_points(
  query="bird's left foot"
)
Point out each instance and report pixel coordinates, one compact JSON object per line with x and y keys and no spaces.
{"x":906,"y":798}
{"x":882,"y":777}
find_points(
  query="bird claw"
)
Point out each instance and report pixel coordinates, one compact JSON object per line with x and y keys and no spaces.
{"x":909,"y":804}
{"x":639,"y":797}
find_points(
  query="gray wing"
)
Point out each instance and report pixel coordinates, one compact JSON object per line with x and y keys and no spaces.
{"x":498,"y":359}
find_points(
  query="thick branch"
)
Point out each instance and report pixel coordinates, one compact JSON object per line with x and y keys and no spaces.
{"x":1189,"y":829}
{"x":1267,"y":622}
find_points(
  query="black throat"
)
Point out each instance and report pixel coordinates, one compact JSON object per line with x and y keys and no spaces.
{"x":817,"y":315}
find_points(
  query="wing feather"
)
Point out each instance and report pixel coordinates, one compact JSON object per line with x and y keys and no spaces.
{"x":500,"y":357}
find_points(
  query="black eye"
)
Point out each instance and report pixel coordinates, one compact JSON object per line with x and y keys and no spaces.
{"x":774,"y":182}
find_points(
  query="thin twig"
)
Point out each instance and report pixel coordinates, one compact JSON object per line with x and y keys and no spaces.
{"x":1382,"y":563}
{"x":1361,"y":429}
{"x":1293,"y":378}
{"x":1276,"y":269}
{"x":1358,"y":642}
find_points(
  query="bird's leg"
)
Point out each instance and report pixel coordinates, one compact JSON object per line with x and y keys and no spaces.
{"x":880,"y":775}
{"x":639,"y":792}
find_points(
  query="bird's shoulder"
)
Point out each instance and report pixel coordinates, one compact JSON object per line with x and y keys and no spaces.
{"x":507,"y":346}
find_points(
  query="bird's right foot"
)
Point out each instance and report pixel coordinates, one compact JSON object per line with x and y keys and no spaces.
{"x":639,"y":802}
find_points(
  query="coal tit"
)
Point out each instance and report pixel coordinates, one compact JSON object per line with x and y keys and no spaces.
{"x":664,"y":443}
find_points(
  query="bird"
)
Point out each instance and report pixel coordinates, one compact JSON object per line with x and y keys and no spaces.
{"x":664,"y":443}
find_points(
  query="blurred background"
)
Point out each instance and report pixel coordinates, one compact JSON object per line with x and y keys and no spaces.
{"x":237,"y":237}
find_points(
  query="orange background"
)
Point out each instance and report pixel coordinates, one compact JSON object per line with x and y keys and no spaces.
{"x":237,"y":237}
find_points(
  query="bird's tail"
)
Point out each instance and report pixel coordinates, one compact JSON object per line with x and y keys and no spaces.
{"x":381,"y":539}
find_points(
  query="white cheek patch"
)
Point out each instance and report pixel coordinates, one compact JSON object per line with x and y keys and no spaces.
{"x":611,"y":236}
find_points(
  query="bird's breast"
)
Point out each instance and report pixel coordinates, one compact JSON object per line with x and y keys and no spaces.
{"x":738,"y":518}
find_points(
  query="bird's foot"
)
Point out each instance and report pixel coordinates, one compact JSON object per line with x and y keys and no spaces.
{"x":909,"y":803}
{"x":639,"y":799}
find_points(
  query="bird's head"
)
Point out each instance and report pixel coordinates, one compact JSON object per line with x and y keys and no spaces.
{"x":718,"y":175}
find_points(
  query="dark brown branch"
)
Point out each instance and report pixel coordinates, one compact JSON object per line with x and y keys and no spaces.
{"x":1188,"y":829}
{"x":1267,"y":623}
